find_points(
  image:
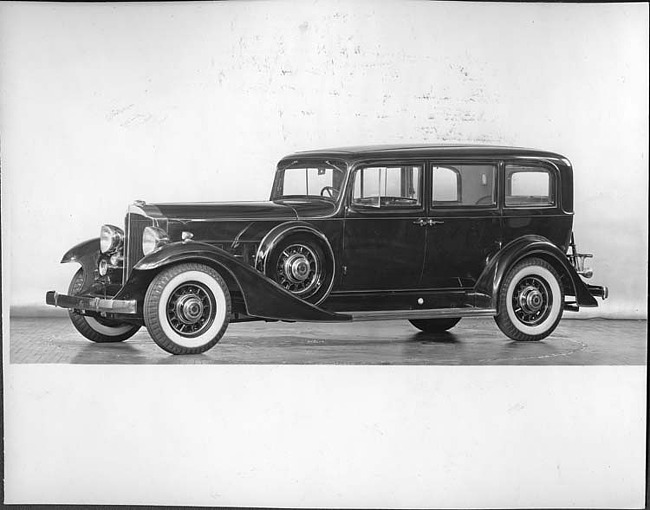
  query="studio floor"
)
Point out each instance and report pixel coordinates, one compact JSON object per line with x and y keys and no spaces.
{"x":471,"y":342}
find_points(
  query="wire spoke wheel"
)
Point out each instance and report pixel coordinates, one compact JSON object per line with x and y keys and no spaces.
{"x":190,"y":309}
{"x":530,"y":300}
{"x":187,"y":308}
{"x":299,"y":270}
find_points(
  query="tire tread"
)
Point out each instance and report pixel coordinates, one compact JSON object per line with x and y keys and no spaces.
{"x":151,"y":301}
{"x":81,"y":325}
{"x":503,"y":320}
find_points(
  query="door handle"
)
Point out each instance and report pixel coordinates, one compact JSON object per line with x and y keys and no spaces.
{"x":422,"y":222}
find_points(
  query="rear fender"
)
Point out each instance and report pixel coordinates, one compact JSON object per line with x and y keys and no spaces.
{"x":263,"y":297}
{"x":527,"y":246}
{"x":86,"y":254}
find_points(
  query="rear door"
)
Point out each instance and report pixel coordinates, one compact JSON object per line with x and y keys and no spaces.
{"x":464,"y":222}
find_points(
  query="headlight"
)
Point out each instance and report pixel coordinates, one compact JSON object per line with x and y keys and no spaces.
{"x":153,"y":238}
{"x":111,"y":238}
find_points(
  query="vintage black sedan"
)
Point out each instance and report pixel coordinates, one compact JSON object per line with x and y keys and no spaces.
{"x":429,"y":234}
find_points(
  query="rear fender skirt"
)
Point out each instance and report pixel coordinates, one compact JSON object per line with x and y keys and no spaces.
{"x":86,"y":254}
{"x":528,"y":246}
{"x":262,"y":296}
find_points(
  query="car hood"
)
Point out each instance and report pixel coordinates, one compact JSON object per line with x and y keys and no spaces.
{"x":243,"y":210}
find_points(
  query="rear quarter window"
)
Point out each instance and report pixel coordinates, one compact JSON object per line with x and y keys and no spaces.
{"x":529,"y":186}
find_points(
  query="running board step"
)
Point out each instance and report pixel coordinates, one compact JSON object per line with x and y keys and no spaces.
{"x":440,"y":313}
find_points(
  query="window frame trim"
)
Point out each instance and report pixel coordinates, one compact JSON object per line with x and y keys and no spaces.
{"x":554,"y":186}
{"x":496,"y":164}
{"x":420,"y":206}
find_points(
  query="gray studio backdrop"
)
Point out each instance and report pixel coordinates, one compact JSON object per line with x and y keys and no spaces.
{"x":104,"y":104}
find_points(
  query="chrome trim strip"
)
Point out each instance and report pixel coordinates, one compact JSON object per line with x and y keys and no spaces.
{"x":127,"y":245}
{"x":92,"y":304}
{"x":428,"y":290}
{"x":148,"y":210}
{"x":439,"y":313}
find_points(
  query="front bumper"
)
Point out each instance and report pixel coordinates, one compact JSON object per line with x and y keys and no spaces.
{"x":598,"y":291}
{"x":92,"y":304}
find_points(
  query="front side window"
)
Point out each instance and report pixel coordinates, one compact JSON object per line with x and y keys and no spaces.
{"x":387,"y":186}
{"x":309,"y":181}
{"x":463,"y":185}
{"x":528,"y":186}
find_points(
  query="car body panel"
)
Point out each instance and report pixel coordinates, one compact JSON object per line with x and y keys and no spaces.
{"x":527,"y":246}
{"x":87,"y":254}
{"x":411,"y":259}
{"x":262,"y":296}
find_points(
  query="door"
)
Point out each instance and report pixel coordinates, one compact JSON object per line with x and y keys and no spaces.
{"x":464,"y":223}
{"x":384,"y":236}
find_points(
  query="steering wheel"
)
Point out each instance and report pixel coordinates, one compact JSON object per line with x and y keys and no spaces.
{"x":329,"y":191}
{"x":486,"y":200}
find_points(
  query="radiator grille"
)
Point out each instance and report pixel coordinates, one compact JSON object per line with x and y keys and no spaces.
{"x":134,"y":226}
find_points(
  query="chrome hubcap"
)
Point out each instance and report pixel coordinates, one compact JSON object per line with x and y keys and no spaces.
{"x":296,"y":268}
{"x":299,"y":270}
{"x":191,"y":309}
{"x":532,"y":301}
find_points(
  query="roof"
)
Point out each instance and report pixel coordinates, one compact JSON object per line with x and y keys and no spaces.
{"x":423,"y":150}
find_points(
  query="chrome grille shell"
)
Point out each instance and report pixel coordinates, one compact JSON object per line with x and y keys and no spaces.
{"x":138,"y":217}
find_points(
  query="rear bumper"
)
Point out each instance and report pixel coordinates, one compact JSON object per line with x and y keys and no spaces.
{"x":92,"y":304}
{"x":598,"y":291}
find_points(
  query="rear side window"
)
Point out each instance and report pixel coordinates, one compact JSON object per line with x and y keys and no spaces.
{"x":463,"y":185}
{"x":529,"y":186}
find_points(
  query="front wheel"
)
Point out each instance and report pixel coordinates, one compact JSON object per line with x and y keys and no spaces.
{"x":187,"y":308}
{"x":531,"y":300}
{"x":97,"y":329}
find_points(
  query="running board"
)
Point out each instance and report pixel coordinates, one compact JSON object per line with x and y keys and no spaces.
{"x":439,"y":313}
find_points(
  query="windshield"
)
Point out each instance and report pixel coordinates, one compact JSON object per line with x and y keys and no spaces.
{"x":299,"y":181}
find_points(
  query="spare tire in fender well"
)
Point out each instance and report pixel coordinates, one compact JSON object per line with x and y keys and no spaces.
{"x":305,"y":232}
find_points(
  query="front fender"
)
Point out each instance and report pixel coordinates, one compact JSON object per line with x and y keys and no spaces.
{"x":490,"y":280}
{"x":82,"y":250}
{"x":262,"y":296}
{"x":86,"y":254}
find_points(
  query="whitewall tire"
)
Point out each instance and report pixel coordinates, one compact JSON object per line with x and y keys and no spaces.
{"x":187,"y":308}
{"x":531,"y":301}
{"x":97,"y":329}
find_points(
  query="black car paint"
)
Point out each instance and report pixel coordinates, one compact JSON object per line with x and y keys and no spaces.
{"x":383,"y":260}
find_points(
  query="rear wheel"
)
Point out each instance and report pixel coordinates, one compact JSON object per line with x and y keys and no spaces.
{"x":531,"y":300}
{"x":97,"y":329}
{"x":435,"y":325}
{"x":187,"y":308}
